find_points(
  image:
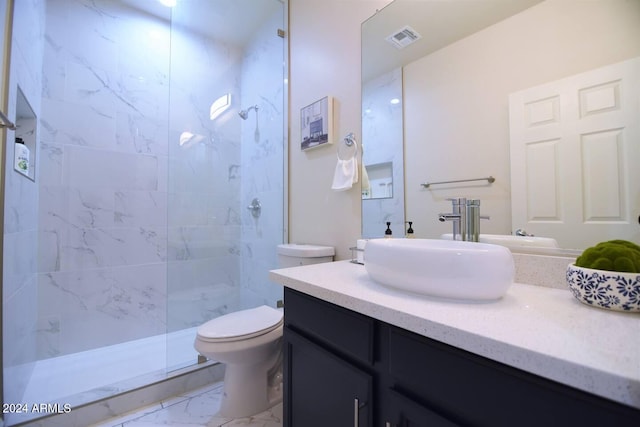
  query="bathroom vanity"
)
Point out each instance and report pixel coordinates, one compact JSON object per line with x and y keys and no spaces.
{"x":357,"y":353}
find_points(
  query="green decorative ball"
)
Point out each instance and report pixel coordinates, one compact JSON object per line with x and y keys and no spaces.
{"x":613,"y":255}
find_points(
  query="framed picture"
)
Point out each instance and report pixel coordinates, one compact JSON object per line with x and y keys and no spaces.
{"x":316,"y":124}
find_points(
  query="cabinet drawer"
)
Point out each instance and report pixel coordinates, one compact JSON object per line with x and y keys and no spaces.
{"x":476,"y":391}
{"x":342,"y":330}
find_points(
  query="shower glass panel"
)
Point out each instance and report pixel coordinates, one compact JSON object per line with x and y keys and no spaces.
{"x":136,"y":228}
{"x":226,"y":57}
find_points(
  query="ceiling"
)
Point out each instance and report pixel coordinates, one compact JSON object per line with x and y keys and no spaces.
{"x":439,"y":22}
{"x":231,"y":21}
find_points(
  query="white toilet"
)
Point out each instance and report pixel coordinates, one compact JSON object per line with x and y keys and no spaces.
{"x":249,"y":343}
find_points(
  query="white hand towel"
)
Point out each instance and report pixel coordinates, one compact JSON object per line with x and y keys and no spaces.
{"x":366,"y":185}
{"x":346,"y":174}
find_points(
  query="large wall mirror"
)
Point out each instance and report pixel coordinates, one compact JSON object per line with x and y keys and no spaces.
{"x":491,"y":88}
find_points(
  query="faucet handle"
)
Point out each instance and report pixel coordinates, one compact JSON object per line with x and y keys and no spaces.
{"x":457,"y":201}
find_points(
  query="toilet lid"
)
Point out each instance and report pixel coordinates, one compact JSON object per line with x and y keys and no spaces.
{"x":241,"y":324}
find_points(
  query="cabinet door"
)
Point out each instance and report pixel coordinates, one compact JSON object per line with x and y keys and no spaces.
{"x":407,"y":413}
{"x":321,"y":389}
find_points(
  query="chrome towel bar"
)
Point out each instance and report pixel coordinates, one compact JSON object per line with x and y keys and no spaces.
{"x":5,"y":122}
{"x":490,"y":179}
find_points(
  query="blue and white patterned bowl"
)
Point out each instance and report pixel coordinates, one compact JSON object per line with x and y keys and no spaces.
{"x":605,"y":289}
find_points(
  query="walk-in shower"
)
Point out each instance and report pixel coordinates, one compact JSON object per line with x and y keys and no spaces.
{"x":135,"y":229}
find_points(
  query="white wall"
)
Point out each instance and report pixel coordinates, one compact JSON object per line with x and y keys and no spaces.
{"x":325,"y":60}
{"x":456,"y":100}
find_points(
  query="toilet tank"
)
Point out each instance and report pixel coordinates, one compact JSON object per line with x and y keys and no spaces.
{"x":293,"y":255}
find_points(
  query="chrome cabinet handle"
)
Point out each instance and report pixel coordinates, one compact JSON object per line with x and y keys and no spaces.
{"x":356,"y":410}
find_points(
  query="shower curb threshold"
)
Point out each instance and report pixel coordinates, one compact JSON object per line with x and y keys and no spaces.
{"x":175,"y":383}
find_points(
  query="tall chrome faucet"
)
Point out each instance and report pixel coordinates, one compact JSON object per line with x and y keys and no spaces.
{"x":458,"y":216}
{"x":465,"y":215}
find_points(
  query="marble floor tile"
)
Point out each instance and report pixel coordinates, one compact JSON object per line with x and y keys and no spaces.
{"x":197,"y":408}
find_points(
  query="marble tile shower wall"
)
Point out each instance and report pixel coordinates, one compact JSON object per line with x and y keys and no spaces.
{"x":129,"y":218}
{"x":21,"y":199}
{"x":262,"y":161}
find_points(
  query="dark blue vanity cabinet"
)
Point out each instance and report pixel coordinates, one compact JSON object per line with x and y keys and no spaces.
{"x":328,"y":359}
{"x":342,"y":368}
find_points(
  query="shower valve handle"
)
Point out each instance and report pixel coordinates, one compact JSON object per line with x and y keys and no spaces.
{"x":255,"y":207}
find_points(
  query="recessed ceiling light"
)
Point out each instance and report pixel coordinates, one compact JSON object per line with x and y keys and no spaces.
{"x":168,"y":3}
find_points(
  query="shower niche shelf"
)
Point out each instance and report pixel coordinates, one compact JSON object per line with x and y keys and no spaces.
{"x":26,"y":133}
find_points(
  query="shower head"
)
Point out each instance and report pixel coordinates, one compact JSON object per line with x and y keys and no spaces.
{"x":245,"y":113}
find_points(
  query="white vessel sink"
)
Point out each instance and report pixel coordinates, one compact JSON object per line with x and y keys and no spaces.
{"x":513,"y":242}
{"x":441,"y":268}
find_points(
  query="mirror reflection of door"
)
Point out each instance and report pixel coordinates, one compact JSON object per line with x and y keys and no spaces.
{"x":576,"y":140}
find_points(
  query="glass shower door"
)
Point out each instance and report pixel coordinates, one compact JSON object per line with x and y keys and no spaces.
{"x":84,"y":280}
{"x":4,"y":46}
{"x":220,"y":161}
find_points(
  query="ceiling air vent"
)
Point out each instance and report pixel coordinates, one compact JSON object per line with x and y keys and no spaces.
{"x":403,"y":37}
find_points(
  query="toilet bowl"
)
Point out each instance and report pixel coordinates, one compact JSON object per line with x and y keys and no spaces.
{"x":249,"y":343}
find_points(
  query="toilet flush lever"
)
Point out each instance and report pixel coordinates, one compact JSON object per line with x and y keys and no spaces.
{"x":255,"y":207}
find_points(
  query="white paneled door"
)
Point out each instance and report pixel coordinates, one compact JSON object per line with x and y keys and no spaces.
{"x":575,"y":157}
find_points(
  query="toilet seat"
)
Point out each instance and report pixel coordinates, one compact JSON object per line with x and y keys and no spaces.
{"x":241,"y":325}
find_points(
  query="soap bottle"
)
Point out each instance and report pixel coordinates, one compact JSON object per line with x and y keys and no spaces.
{"x":21,"y":157}
{"x":409,"y":234}
{"x":388,"y":233}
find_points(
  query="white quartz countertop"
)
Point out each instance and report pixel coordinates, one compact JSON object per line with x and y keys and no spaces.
{"x":540,"y":330}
